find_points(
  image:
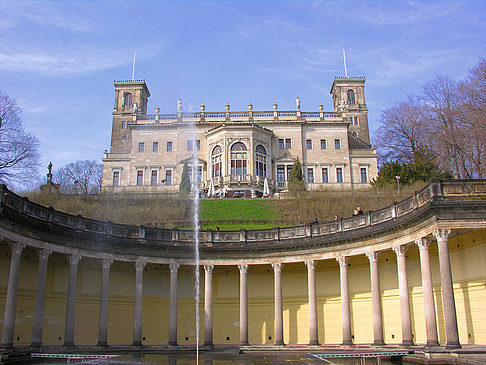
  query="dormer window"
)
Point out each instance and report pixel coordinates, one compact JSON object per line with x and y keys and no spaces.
{"x":351,"y":99}
{"x":128,"y":100}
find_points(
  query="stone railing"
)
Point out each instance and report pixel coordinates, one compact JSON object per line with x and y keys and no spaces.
{"x":235,"y":116}
{"x":436,"y":190}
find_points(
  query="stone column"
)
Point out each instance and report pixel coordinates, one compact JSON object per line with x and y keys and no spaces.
{"x":103,"y":320}
{"x":311,"y":284}
{"x":71,"y":301}
{"x":277,"y":269}
{"x":449,"y":305}
{"x":11,"y":300}
{"x":40,"y":294}
{"x":345,"y":305}
{"x":243,"y":305}
{"x":375,"y":298}
{"x":137,"y":310}
{"x":404,"y":298}
{"x":173,"y":305}
{"x":427,"y":287}
{"x":208,"y":305}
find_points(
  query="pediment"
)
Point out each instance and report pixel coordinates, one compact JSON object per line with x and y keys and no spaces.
{"x":285,"y":158}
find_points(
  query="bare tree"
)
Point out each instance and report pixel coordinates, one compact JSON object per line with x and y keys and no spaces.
{"x":18,"y":149}
{"x":403,"y":129}
{"x":82,"y":176}
{"x":473,"y":92}
{"x":458,"y":139}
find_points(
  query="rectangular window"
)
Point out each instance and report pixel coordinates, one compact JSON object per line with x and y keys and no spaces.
{"x":339,"y":174}
{"x":337,"y":144}
{"x":289,"y":168}
{"x":116,"y":178}
{"x":124,"y":124}
{"x":325,"y":175}
{"x":308,"y":144}
{"x":281,"y":143}
{"x":323,"y":144}
{"x":356,"y":121}
{"x":189,"y":145}
{"x":153,"y":177}
{"x":139,"y":177}
{"x":280,"y":173}
{"x":168,"y":177}
{"x":310,"y":175}
{"x":197,"y":144}
{"x":364,"y":175}
{"x":141,"y":147}
{"x":155,"y":147}
{"x":288,"y":143}
{"x":169,"y":146}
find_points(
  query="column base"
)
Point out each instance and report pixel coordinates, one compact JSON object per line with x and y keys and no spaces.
{"x":432,"y":344}
{"x":137,"y":343}
{"x":68,"y":344}
{"x":172,"y":343}
{"x":378,"y":343}
{"x":279,"y":343}
{"x":451,"y":346}
{"x":7,"y":345}
{"x":346,"y":343}
{"x":244,"y":344}
{"x":314,"y":343}
{"x":102,"y":344}
{"x":406,"y":343}
{"x":36,"y":344}
{"x":208,"y":343}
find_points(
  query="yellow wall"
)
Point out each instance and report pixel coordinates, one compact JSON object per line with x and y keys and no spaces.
{"x":468,"y":259}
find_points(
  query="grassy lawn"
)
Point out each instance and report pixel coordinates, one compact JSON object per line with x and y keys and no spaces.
{"x":238,"y":209}
{"x":229,"y":214}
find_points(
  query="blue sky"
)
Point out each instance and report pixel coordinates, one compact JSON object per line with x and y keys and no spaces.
{"x":59,"y":58}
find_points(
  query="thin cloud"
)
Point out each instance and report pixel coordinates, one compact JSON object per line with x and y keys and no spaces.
{"x":45,"y":13}
{"x":69,"y":62}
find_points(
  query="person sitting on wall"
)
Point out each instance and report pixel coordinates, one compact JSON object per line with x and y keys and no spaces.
{"x":359,"y":211}
{"x":355,"y":213}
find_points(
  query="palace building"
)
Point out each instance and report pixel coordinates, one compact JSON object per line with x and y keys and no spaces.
{"x":238,"y":151}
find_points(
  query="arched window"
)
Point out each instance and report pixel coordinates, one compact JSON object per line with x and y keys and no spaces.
{"x":238,"y":159}
{"x":216,"y":161}
{"x":261,"y":161}
{"x":128,"y":100}
{"x":351,"y":99}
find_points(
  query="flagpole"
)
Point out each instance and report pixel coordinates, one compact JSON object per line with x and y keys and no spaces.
{"x":133,"y":69}
{"x":345,"y":69}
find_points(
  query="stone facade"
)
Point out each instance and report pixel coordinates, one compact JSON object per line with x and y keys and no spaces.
{"x":238,"y":150}
{"x":410,"y":273}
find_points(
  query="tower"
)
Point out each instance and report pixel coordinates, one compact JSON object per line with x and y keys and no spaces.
{"x":348,"y":96}
{"x":131,"y":99}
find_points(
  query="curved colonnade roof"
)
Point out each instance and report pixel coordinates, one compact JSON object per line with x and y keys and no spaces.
{"x":452,"y":204}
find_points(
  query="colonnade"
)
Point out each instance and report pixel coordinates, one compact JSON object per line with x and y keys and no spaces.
{"x":441,"y":235}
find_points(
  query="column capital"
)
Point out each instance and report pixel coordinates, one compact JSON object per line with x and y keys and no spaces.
{"x":17,"y":248}
{"x":140,"y":265}
{"x":74,"y":259}
{"x":441,"y":234}
{"x":423,"y":243}
{"x":342,"y":260}
{"x":243,"y":268}
{"x":106,"y":263}
{"x":44,"y":254}
{"x":208,"y":269}
{"x":277,"y":267}
{"x":373,"y":256}
{"x":400,"y":250}
{"x":174,"y":268}
{"x":311,"y":265}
